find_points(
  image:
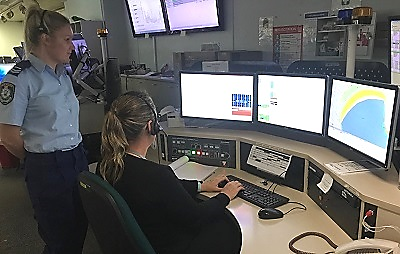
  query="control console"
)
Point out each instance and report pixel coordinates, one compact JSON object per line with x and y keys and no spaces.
{"x":213,"y":152}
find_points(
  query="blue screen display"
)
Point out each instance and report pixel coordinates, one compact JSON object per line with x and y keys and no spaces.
{"x":4,"y":68}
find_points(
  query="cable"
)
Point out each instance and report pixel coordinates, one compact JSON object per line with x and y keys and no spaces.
{"x":295,"y":239}
{"x":372,"y":229}
{"x":303,"y":207}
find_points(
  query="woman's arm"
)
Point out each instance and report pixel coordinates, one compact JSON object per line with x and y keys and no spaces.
{"x":11,"y":138}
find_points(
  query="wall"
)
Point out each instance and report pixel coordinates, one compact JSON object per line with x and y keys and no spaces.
{"x":11,"y":35}
{"x":241,"y":27}
{"x":88,"y":9}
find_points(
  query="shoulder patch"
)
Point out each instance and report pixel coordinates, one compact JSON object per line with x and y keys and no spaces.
{"x":19,"y":67}
{"x":7,"y":91}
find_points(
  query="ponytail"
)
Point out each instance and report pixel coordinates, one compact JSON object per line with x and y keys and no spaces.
{"x":125,"y":122}
{"x":113,"y":147}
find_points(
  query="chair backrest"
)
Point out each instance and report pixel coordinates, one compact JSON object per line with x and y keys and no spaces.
{"x":374,"y":71}
{"x":110,"y":217}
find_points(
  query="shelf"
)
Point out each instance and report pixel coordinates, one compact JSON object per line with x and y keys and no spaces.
{"x":332,"y":31}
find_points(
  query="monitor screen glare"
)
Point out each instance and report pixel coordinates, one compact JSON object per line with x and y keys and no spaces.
{"x":146,"y":16}
{"x":192,"y":14}
{"x":361,"y":116}
{"x":217,"y":96}
{"x":4,"y":68}
{"x":291,"y":101}
{"x":395,"y":51}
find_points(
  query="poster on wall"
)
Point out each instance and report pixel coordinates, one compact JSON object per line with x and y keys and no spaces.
{"x":287,"y":44}
{"x":265,"y":28}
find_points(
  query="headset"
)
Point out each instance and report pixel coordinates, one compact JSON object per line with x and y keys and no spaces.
{"x":42,"y":28}
{"x":155,"y":125}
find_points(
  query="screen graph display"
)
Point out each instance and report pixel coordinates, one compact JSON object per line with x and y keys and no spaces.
{"x":291,"y":101}
{"x":192,"y":14}
{"x":146,"y":16}
{"x":217,"y":96}
{"x":362,"y":116}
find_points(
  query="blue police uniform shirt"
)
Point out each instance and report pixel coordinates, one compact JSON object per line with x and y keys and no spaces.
{"x":42,"y":102}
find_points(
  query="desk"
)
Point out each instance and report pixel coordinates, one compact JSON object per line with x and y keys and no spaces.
{"x":378,"y":189}
{"x":273,"y":236}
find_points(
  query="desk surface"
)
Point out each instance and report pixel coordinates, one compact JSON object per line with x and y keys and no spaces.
{"x":273,"y":236}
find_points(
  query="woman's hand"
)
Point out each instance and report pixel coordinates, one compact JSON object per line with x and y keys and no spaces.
{"x":231,"y":189}
{"x":211,"y":185}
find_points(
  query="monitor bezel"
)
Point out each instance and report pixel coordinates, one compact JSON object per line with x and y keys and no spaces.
{"x":138,"y":35}
{"x":291,"y":130}
{"x":351,"y":151}
{"x":220,"y":27}
{"x":390,"y":19}
{"x":219,"y":74}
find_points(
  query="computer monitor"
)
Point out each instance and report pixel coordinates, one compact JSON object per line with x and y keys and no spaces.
{"x":394,"y":49}
{"x":222,"y":96}
{"x":193,"y":14}
{"x":146,"y":16}
{"x":292,"y":101}
{"x":4,"y":68}
{"x":363,"y":116}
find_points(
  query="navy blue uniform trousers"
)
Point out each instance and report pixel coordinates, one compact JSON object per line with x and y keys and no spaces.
{"x":51,"y":179}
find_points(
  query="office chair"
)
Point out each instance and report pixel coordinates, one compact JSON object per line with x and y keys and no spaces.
{"x":111,"y":219}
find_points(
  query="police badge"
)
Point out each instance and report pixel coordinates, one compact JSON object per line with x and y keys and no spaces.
{"x":7,"y":91}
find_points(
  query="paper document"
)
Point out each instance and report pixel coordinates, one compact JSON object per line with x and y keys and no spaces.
{"x":189,"y":170}
{"x":326,"y":183}
{"x":347,"y":167}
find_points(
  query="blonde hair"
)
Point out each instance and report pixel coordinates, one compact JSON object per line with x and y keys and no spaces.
{"x":39,"y":21}
{"x":128,"y":116}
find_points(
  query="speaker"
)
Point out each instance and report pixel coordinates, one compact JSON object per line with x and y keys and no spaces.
{"x":113,"y":81}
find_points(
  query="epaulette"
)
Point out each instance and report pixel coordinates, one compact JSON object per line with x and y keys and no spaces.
{"x":19,"y":67}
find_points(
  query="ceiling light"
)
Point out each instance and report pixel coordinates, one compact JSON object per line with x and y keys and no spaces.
{"x":10,"y":14}
{"x":22,"y":9}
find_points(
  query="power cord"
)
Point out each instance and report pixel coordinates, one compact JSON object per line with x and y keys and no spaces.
{"x":372,"y":229}
{"x":295,"y":239}
{"x":303,"y":207}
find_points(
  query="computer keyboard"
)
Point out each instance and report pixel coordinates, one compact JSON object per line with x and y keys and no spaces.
{"x":268,"y":160}
{"x":258,"y":195}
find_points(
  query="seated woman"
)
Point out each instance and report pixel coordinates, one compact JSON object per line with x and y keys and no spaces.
{"x":164,"y":206}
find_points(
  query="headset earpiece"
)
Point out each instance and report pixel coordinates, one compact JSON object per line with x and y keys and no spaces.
{"x":155,"y":126}
{"x":42,"y":28}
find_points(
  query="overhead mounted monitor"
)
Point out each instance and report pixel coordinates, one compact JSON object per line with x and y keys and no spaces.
{"x":363,"y":115}
{"x":4,"y":68}
{"x":292,"y":101}
{"x":394,"y":52}
{"x":222,"y":96}
{"x":146,"y":16}
{"x":193,"y":14}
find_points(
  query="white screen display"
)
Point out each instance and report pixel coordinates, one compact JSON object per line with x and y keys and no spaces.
{"x":395,"y":51}
{"x":217,"y":96}
{"x":294,"y":102}
{"x":191,"y":14}
{"x":146,"y":16}
{"x":360,"y":116}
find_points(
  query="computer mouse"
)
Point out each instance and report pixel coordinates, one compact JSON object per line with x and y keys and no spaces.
{"x":269,"y":213}
{"x":222,"y":183}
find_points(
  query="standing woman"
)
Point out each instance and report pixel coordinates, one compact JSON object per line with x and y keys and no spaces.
{"x":39,"y":123}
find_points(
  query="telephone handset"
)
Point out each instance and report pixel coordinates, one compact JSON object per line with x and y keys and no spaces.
{"x":354,"y":247}
{"x":369,"y":246}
